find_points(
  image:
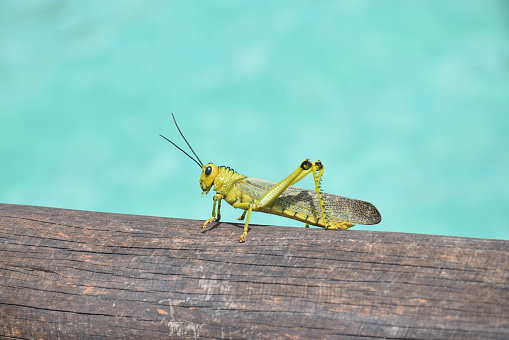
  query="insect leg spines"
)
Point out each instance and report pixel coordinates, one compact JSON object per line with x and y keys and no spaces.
{"x":317,"y":168}
{"x":317,"y":177}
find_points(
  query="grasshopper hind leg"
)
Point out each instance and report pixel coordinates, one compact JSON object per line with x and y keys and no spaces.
{"x":339,"y":225}
{"x":317,"y":168}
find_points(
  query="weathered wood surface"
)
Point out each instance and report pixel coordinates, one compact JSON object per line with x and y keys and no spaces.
{"x":87,"y":275}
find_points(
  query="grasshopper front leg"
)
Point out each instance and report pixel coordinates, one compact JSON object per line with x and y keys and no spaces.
{"x":217,"y":200}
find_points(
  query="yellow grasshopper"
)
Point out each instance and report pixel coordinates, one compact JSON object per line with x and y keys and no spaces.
{"x":252,"y":194}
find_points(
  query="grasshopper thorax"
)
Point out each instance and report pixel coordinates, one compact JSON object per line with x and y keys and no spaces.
{"x":208,"y":175}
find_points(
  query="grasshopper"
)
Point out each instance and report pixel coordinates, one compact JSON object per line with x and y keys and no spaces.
{"x":312,"y":207}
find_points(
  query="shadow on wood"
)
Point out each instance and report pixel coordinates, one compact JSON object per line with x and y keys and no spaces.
{"x":78,"y":274}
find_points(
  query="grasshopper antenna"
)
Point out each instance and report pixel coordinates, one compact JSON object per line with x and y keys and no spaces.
{"x":198,"y":158}
{"x":199,"y":162}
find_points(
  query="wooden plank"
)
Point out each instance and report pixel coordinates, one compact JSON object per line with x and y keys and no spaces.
{"x":80,"y":274}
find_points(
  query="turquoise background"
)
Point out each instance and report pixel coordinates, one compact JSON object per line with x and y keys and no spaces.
{"x":405,"y":102}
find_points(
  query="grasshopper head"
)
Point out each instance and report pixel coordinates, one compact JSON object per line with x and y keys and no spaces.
{"x":208,"y":174}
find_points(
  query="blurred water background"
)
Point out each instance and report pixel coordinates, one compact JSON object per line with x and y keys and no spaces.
{"x":405,"y":102}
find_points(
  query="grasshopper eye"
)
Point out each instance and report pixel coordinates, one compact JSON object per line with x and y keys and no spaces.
{"x":208,"y":170}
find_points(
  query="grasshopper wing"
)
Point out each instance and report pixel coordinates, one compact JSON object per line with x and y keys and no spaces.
{"x":304,"y":205}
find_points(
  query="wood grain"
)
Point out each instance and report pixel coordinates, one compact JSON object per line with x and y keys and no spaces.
{"x":91,"y":275}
